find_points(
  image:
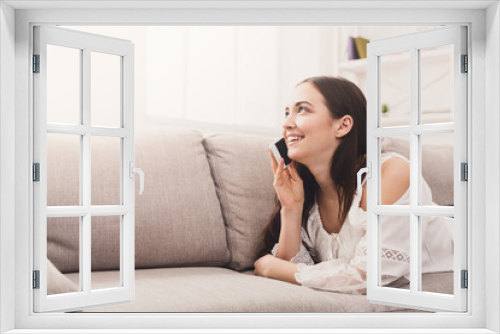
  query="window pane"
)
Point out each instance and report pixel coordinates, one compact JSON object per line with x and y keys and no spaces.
{"x":63,"y":252}
{"x":394,"y":249}
{"x":63,"y":84}
{"x":63,"y":169}
{"x":395,"y":89}
{"x":437,"y":253}
{"x":436,"y":84}
{"x":437,"y":185}
{"x":105,"y":90}
{"x":106,"y":170}
{"x":394,"y":148}
{"x":105,"y":252}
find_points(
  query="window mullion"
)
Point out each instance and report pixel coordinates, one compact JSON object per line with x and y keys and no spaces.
{"x":83,"y":129}
{"x":85,"y":179}
{"x":109,"y":210}
{"x":85,"y":253}
{"x":400,"y":131}
{"x":414,"y":169}
{"x":67,"y":129}
{"x":80,"y":211}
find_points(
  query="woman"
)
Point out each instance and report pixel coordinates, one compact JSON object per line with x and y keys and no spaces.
{"x":317,"y":235}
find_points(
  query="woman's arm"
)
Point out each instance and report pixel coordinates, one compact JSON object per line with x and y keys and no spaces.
{"x":273,"y":267}
{"x":290,"y":190}
{"x":290,"y":235}
{"x":350,"y":277}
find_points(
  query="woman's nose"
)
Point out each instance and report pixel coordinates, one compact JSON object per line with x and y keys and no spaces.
{"x":289,"y":122}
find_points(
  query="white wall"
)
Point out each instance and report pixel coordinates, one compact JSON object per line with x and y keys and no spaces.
{"x":235,"y":78}
{"x":231,"y":75}
{"x":238,"y":78}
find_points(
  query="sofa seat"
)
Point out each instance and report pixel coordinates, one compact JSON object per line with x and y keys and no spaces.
{"x":211,"y":289}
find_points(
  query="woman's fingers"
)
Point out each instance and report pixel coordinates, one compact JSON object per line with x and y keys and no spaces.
{"x":293,"y":172}
{"x":279,"y":170}
{"x":274,"y":165}
{"x":281,"y":176}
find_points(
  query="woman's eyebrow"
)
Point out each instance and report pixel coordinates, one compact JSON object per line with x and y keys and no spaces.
{"x":300,"y":102}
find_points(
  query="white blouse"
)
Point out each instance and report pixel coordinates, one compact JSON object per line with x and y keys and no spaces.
{"x":337,"y":261}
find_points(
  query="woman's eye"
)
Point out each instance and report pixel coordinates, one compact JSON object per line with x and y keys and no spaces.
{"x":299,"y":110}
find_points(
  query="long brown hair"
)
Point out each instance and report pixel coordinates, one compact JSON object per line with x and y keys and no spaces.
{"x":342,"y":97}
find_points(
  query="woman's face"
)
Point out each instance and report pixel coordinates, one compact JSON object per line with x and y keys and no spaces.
{"x":310,"y":131}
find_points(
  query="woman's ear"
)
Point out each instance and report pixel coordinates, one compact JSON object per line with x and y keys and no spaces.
{"x":344,"y":126}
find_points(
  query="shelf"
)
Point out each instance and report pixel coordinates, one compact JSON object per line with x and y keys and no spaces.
{"x":358,"y":66}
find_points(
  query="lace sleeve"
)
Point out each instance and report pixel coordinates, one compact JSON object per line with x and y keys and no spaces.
{"x":349,"y":275}
{"x":302,"y":257}
{"x":333,"y":276}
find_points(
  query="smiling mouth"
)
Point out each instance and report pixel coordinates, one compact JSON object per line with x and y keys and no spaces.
{"x":294,"y":140}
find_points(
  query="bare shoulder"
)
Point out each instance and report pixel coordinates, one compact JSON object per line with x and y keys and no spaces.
{"x":395,"y":182}
{"x":396,"y":167}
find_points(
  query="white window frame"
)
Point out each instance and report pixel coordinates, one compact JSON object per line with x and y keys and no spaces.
{"x":415,"y":211}
{"x":124,"y":52}
{"x":483,"y":103}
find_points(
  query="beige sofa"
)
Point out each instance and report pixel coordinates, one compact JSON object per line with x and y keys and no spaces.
{"x":205,"y":203}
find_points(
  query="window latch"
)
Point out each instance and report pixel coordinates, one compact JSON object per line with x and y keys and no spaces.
{"x":360,"y":173}
{"x":133,"y":170}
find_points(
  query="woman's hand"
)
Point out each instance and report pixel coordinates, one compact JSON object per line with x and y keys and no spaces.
{"x":287,"y":184}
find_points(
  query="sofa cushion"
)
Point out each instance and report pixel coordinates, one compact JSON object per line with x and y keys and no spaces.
{"x":178,"y":221}
{"x":178,"y":217}
{"x":58,"y":283}
{"x":197,"y":289}
{"x":437,"y":167}
{"x":244,"y":182}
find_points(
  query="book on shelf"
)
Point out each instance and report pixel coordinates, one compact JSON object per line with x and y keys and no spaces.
{"x":356,"y":47}
{"x":352,"y":53}
{"x":361,"y":46}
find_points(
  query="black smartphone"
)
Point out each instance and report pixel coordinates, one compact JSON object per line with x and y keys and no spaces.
{"x":279,"y":149}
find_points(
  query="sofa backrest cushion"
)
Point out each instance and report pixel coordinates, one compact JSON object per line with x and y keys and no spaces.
{"x":437,"y":167}
{"x":178,"y":220}
{"x":243,"y":179}
{"x":178,"y":217}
